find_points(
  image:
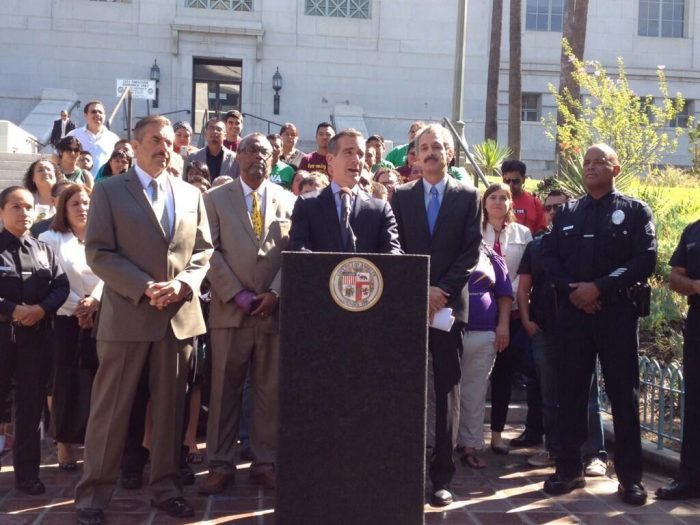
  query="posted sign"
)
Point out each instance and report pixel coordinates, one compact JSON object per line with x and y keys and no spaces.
{"x":143,"y":89}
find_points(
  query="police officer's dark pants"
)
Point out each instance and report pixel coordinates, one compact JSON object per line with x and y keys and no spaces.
{"x":28,"y":360}
{"x":690,"y":451}
{"x":612,"y":335}
{"x":446,"y":351}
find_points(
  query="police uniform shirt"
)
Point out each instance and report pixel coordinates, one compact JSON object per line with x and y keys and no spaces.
{"x":687,"y":255}
{"x":542,"y":300}
{"x":609,"y":241}
{"x":29,"y":274}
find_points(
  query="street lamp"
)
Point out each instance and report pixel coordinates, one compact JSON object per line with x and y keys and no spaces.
{"x":155,"y":75}
{"x":277,"y":86}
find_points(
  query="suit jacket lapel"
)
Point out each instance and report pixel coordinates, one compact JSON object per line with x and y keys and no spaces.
{"x":241,"y":209}
{"x":418,"y":197}
{"x":133,"y":184}
{"x":330,"y":215}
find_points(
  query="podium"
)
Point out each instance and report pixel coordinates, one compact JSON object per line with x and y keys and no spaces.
{"x":352,"y":386}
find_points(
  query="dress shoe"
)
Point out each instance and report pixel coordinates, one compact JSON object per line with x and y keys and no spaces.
{"x":131,"y":481}
{"x":175,"y":507}
{"x":266,"y":478}
{"x":679,"y":489}
{"x":90,"y":516}
{"x":441,"y":498}
{"x":632,"y":494}
{"x":32,"y":487}
{"x":215,"y":483}
{"x":525,"y":440}
{"x":558,"y":484}
{"x":186,"y":475}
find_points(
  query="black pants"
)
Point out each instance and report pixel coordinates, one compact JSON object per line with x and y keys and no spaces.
{"x":446,"y":351}
{"x":28,"y":361}
{"x":690,"y":452}
{"x":612,"y":335}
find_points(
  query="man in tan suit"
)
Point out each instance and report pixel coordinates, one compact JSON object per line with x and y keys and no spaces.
{"x":148,"y":240}
{"x":250,"y":220}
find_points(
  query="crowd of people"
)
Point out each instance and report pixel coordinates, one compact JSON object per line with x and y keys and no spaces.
{"x":131,"y":297}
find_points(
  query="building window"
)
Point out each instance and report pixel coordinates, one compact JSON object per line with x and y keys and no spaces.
{"x":681,"y":120}
{"x":663,"y":18}
{"x":544,"y":15}
{"x":339,"y":8}
{"x":531,"y":107}
{"x":227,"y":5}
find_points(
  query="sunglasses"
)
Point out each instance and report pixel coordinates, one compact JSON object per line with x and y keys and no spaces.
{"x":512,"y":181}
{"x":73,"y":150}
{"x":552,"y":207}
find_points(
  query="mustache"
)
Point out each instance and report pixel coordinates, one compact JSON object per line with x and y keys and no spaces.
{"x":430,"y":157}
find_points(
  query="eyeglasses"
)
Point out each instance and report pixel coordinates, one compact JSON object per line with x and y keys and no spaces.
{"x":552,"y":207}
{"x":256,"y":150}
{"x":513,"y":181}
{"x":73,"y":150}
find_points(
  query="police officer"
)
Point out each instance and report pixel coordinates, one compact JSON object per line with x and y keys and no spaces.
{"x":32,"y":288}
{"x":600,"y":252}
{"x":685,"y":279}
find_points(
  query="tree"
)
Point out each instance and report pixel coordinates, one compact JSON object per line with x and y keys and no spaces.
{"x":491,"y":118}
{"x":611,"y":112}
{"x":515,"y":78}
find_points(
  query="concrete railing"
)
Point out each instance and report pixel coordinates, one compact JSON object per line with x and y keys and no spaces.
{"x":14,"y":139}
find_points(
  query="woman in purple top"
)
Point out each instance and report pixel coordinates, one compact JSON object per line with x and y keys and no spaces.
{"x":490,"y":299}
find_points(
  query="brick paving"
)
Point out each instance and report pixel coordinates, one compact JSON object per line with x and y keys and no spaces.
{"x":508,"y":491}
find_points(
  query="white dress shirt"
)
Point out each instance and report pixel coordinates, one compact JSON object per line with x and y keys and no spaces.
{"x":100,"y":146}
{"x":164,"y":189}
{"x":248,"y":194}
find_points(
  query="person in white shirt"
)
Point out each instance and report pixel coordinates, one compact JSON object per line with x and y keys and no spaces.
{"x":94,"y":136}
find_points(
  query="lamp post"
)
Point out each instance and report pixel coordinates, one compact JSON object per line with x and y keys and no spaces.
{"x":277,"y":86}
{"x":155,"y":75}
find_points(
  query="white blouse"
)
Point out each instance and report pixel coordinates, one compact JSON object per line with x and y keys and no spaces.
{"x":70,"y":254}
{"x":514,"y":238}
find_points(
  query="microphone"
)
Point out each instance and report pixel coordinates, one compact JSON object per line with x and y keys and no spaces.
{"x":346,"y":203}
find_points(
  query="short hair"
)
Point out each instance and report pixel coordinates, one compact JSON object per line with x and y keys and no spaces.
{"x":383,"y":170}
{"x":557,"y":193}
{"x":514,"y":165}
{"x":199,"y":166}
{"x":287,"y":126}
{"x":87,"y":106}
{"x":182,"y":124}
{"x":510,"y":215}
{"x":139,"y":129}
{"x":249,"y":138}
{"x":273,"y":136}
{"x":349,"y":132}
{"x":375,"y":137}
{"x":211,"y":121}
{"x":67,"y":143}
{"x":117,"y":153}
{"x":204,"y":181}
{"x":324,"y":125}
{"x":315,"y":177}
{"x":379,"y":191}
{"x":60,"y":221}
{"x":28,"y":179}
{"x":57,"y":188}
{"x":441,"y":132}
{"x":221,"y":180}
{"x":86,"y":152}
{"x":234,"y":113}
{"x":5,"y":194}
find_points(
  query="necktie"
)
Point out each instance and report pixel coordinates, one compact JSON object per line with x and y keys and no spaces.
{"x":256,"y":215}
{"x":161,"y":211}
{"x":346,"y":233}
{"x":433,"y":208}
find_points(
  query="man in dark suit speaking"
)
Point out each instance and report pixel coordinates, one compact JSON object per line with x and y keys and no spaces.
{"x":440,"y":216}
{"x":61,"y":128}
{"x":343,"y":218}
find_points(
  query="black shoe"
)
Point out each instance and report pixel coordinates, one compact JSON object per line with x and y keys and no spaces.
{"x":525,"y":440}
{"x":186,"y":475}
{"x":557,"y":484}
{"x":632,"y":494}
{"x":679,"y":489}
{"x":32,"y":487}
{"x":441,"y":498}
{"x":90,"y":516}
{"x":175,"y":507}
{"x":130,"y":481}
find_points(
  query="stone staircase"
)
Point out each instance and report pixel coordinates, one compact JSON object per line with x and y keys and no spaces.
{"x":14,"y":165}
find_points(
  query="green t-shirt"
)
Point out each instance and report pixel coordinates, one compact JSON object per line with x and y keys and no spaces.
{"x":382,"y":164}
{"x":397,"y":156}
{"x":282,"y":174}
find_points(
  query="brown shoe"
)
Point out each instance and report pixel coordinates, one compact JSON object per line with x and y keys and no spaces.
{"x":215,"y":483}
{"x":266,"y":478}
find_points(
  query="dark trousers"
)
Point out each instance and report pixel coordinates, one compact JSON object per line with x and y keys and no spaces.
{"x":612,"y":335}
{"x":690,"y":452}
{"x":28,"y":361}
{"x":446,"y":351}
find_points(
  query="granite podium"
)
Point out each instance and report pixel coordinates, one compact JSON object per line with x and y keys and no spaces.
{"x":352,"y":386}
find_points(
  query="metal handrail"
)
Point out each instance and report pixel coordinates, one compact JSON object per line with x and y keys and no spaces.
{"x":465,"y":146}
{"x":264,"y":120}
{"x":127,"y":91}
{"x":202,"y":128}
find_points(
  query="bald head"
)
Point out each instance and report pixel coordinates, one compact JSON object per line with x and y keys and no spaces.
{"x":608,"y":153}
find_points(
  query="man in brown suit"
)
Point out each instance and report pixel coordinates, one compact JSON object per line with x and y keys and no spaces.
{"x":148,"y":240}
{"x":250,"y":220}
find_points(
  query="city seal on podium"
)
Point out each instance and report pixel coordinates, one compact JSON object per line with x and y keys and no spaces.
{"x":356,"y":284}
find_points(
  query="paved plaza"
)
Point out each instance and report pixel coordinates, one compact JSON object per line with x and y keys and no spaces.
{"x":508,"y":491}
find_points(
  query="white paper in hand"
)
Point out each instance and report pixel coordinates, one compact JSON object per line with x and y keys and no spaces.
{"x":443,"y":320}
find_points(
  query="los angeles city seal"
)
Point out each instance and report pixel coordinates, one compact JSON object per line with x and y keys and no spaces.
{"x":356,"y":284}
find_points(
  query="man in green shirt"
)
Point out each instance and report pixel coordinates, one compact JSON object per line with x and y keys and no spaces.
{"x":282,"y":173}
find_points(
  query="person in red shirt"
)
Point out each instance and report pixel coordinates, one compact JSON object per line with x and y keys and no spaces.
{"x":234,"y":126}
{"x":528,"y":209}
{"x":316,"y":161}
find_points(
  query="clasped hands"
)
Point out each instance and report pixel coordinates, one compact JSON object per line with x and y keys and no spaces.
{"x":585,"y":297}
{"x":437,"y":300}
{"x":262,"y":305}
{"x":163,"y":294}
{"x":27,"y":314}
{"x":85,"y":311}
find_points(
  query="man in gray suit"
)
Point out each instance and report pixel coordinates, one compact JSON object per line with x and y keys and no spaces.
{"x":219,"y":159}
{"x":148,"y":240}
{"x":250,"y":220}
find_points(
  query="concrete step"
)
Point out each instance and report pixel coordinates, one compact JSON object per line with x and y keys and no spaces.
{"x":14,"y":165}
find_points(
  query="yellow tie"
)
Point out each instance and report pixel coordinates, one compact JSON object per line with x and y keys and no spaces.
{"x":256,"y":216}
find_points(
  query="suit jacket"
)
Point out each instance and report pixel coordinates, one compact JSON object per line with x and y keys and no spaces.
{"x":56,"y":131}
{"x":316,"y":226}
{"x":454,"y":245}
{"x":229,"y":166}
{"x":241,"y":261}
{"x":126,"y":247}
